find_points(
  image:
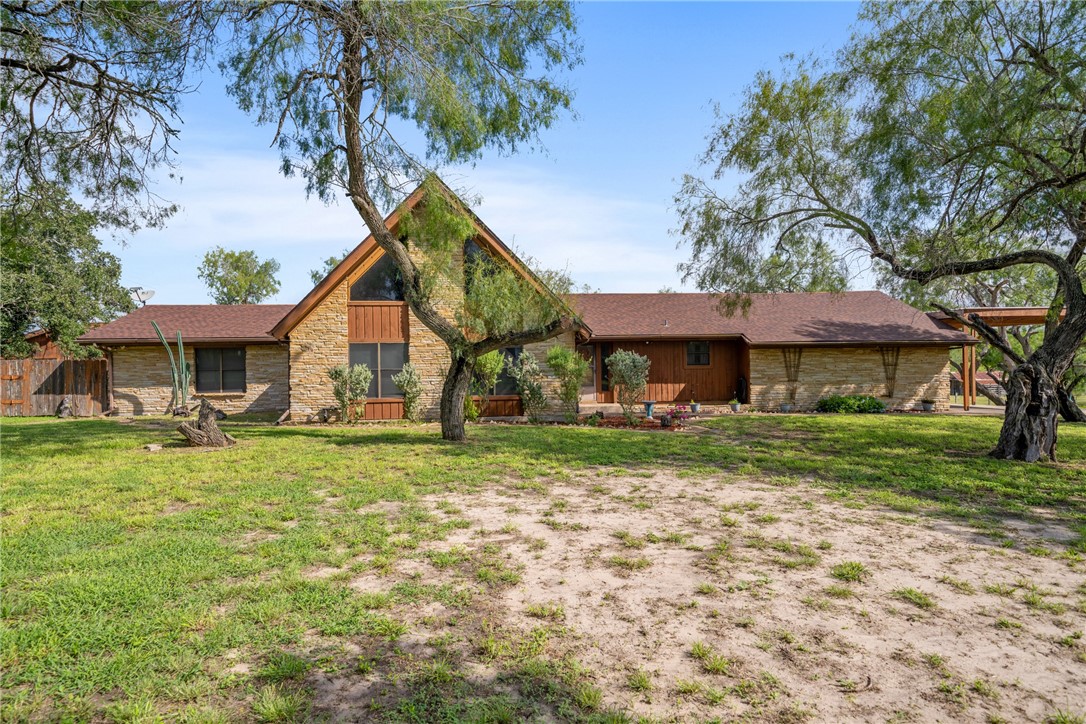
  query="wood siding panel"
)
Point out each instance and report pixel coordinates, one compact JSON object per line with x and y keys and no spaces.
{"x":36,"y":387}
{"x":377,"y":322}
{"x":670,"y":380}
{"x":384,"y":410}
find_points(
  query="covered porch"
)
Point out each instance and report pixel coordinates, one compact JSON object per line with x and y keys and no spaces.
{"x":681,"y":370}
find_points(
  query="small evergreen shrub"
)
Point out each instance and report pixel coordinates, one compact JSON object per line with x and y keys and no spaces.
{"x":629,"y":377}
{"x":410,"y":384}
{"x":570,"y":368}
{"x":850,"y":404}
{"x":529,"y":378}
{"x":488,"y":367}
{"x":350,"y":384}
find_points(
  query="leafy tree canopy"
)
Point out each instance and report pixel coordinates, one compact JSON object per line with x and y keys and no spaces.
{"x":945,"y":140}
{"x":345,"y":83}
{"x":56,"y":277}
{"x":238,"y":277}
{"x":316,"y":275}
{"x":90,"y":99}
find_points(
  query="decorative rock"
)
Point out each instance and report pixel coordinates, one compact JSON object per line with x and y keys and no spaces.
{"x":152,"y":447}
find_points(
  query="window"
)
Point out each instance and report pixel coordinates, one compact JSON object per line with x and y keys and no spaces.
{"x":384,"y":359}
{"x":506,"y":385}
{"x":606,"y":350}
{"x":220,"y":369}
{"x":697,"y":354}
{"x":382,"y":282}
{"x":473,"y":256}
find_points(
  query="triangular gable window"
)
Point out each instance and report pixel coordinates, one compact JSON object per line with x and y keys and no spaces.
{"x":382,"y":282}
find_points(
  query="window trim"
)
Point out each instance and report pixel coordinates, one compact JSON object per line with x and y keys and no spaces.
{"x":377,"y":371}
{"x":220,"y":391}
{"x":687,"y":364}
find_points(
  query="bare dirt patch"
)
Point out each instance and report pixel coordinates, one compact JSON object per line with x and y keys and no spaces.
{"x":942,"y":624}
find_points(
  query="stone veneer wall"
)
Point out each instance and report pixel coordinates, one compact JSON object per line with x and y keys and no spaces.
{"x":320,"y":341}
{"x":142,"y":383}
{"x":922,"y":373}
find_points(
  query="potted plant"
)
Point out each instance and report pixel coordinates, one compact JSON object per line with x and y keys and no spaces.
{"x":695,"y":407}
{"x":735,"y":404}
{"x":927,"y":405}
{"x":676,"y":416}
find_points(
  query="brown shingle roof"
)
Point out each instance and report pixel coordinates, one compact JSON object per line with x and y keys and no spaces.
{"x":249,"y":323}
{"x":808,"y":318}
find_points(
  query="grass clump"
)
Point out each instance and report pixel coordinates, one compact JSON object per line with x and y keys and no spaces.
{"x":915,"y":597}
{"x":851,"y":571}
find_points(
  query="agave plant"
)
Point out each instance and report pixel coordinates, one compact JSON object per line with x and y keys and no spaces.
{"x":180,"y":371}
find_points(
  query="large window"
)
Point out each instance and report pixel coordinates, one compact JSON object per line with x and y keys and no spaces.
{"x":506,"y":385}
{"x":382,"y":282}
{"x":220,"y":369}
{"x":384,"y":359}
{"x":697,"y":354}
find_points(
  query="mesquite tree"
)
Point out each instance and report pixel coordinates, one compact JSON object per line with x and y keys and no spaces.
{"x":346,"y":83}
{"x":947,"y":140}
{"x":90,"y":99}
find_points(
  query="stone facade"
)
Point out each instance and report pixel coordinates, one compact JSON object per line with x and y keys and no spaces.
{"x":320,"y":341}
{"x":142,"y":384}
{"x":922,"y":373}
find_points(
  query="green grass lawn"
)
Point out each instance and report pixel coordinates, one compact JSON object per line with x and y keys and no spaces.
{"x":134,"y":582}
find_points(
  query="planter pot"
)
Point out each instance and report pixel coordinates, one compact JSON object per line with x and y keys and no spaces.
{"x":737,"y":407}
{"x":695,"y":407}
{"x":927,"y":406}
{"x":786,"y":406}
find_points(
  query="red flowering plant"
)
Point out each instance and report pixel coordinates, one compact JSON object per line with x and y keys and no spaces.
{"x":678,"y":414}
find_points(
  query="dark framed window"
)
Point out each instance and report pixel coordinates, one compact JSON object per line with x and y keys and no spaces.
{"x":506,"y":385}
{"x":384,"y":359}
{"x":474,"y":255}
{"x":382,"y":282}
{"x":606,"y":350}
{"x":697,"y":354}
{"x":220,"y":369}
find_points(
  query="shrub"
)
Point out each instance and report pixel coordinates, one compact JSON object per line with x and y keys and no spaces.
{"x":488,"y":368}
{"x":529,"y":378}
{"x":350,"y":385}
{"x":410,"y":384}
{"x":851,"y":404}
{"x":570,"y":368}
{"x":471,"y":410}
{"x":629,"y":377}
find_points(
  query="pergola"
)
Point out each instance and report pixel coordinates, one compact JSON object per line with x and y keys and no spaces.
{"x":993,"y":317}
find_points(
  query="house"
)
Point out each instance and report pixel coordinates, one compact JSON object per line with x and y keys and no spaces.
{"x":784,"y":348}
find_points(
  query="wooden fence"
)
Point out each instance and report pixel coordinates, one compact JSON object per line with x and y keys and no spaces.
{"x":31,"y":387}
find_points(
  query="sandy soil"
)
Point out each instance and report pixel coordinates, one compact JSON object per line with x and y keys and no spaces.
{"x":645,"y":567}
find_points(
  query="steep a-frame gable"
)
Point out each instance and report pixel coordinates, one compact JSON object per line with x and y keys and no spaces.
{"x":366,"y":253}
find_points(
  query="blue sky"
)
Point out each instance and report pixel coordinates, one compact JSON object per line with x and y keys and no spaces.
{"x":598,"y":201}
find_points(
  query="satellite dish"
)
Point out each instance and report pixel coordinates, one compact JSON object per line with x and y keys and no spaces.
{"x":141,"y":295}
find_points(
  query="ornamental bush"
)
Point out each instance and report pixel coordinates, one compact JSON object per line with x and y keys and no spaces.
{"x":629,"y":378}
{"x":350,"y":384}
{"x":488,"y":368}
{"x":411,"y":386}
{"x":570,"y":368}
{"x":850,"y":404}
{"x":529,"y":378}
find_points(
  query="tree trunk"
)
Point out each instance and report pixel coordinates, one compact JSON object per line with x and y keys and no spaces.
{"x":1069,"y":409}
{"x":1029,"y":424}
{"x":206,"y":432}
{"x":453,"y":394}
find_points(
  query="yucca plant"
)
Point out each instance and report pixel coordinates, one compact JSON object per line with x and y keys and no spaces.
{"x":180,"y":372}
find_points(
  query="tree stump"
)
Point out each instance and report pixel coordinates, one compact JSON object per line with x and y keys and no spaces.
{"x":205,"y":432}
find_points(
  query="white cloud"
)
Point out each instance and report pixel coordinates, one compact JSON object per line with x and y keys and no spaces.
{"x":240,"y":201}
